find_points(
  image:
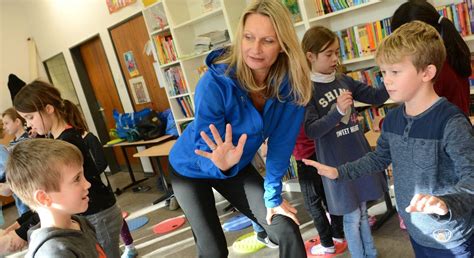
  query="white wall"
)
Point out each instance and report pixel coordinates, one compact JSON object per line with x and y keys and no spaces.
{"x":13,"y":48}
{"x":57,"y":26}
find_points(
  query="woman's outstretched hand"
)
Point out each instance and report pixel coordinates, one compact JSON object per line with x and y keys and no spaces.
{"x":223,"y":153}
{"x":285,"y":209}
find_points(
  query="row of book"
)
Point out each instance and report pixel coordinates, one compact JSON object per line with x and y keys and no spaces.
{"x":328,"y":6}
{"x":461,"y":14}
{"x":292,"y":171}
{"x":185,"y":106}
{"x":372,"y":117}
{"x":165,"y":48}
{"x":175,"y":80}
{"x":362,"y":40}
{"x":371,"y":76}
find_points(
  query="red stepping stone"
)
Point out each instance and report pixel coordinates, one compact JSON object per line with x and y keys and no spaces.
{"x":168,"y":225}
{"x":340,"y":248}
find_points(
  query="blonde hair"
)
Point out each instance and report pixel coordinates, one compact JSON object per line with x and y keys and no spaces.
{"x":292,"y":59}
{"x":416,"y":40}
{"x":37,"y":164}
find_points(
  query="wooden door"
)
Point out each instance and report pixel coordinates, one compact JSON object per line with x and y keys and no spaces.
{"x":129,"y":39}
{"x":103,"y":86}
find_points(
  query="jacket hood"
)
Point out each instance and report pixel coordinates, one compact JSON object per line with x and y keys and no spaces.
{"x":220,"y":71}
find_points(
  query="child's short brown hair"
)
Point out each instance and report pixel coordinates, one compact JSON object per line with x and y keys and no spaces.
{"x":37,"y":164}
{"x":416,"y":40}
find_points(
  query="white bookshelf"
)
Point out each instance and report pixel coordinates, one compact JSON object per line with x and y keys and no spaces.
{"x":186,"y":20}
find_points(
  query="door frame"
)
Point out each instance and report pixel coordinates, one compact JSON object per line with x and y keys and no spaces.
{"x":92,"y":101}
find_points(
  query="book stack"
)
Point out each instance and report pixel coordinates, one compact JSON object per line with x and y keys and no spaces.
{"x":328,"y":6}
{"x":175,"y":80}
{"x":211,"y":40}
{"x":461,"y":14}
{"x":362,"y":40}
{"x":165,"y":48}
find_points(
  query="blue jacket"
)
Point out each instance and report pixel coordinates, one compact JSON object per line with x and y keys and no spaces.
{"x":219,"y":99}
{"x":431,"y":153}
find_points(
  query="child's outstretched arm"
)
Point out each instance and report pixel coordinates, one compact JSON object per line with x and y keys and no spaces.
{"x":368,"y":94}
{"x":327,"y":171}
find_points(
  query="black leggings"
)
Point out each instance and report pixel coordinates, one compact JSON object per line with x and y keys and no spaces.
{"x":245,"y":192}
{"x":315,"y":200}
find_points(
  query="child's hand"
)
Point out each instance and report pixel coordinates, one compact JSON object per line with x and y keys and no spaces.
{"x":427,"y":204}
{"x":344,"y":101}
{"x":323,"y":170}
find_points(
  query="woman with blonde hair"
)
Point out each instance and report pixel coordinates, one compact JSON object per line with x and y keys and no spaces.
{"x":252,"y":91}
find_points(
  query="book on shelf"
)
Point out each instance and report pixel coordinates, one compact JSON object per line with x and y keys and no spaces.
{"x":185,"y":106}
{"x":329,"y":6}
{"x":370,"y":76}
{"x":183,"y":125}
{"x":461,"y":14}
{"x":361,"y":40}
{"x":165,"y":48}
{"x":175,"y":80}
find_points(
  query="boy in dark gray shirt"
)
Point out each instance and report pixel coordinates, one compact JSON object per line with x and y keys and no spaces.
{"x":430,"y":143}
{"x":48,"y":176}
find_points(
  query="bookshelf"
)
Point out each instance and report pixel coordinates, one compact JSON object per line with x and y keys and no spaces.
{"x":173,"y":26}
{"x":179,"y":22}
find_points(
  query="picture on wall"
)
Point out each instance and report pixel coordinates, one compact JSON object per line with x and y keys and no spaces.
{"x":131,"y":64}
{"x":139,"y":90}
{"x":115,"y":5}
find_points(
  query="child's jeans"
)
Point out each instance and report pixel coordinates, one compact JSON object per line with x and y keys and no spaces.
{"x":466,"y":250}
{"x":358,"y":235}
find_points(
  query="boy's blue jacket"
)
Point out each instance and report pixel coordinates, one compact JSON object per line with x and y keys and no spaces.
{"x":219,"y":99}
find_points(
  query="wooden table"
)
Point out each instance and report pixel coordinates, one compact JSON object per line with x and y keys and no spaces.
{"x":124,"y":145}
{"x":157,"y":151}
{"x":372,"y":138}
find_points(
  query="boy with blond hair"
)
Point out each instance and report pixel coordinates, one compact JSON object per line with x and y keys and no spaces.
{"x":48,"y":176}
{"x":430,"y":143}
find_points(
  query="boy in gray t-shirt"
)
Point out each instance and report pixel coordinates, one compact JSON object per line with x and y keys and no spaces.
{"x":48,"y":176}
{"x":430,"y":143}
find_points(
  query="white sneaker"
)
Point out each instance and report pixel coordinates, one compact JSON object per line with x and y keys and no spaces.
{"x":338,"y":240}
{"x":321,"y":250}
{"x":266,"y":241}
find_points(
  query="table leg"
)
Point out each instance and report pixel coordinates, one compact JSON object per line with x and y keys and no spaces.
{"x":130,"y":172}
{"x":168,"y":192}
{"x":388,"y":203}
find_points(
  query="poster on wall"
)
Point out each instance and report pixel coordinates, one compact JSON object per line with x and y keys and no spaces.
{"x":131,"y":64}
{"x":115,"y":5}
{"x":139,"y":90}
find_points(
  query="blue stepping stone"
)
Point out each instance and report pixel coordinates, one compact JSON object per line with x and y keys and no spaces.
{"x":236,"y":223}
{"x":137,"y":223}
